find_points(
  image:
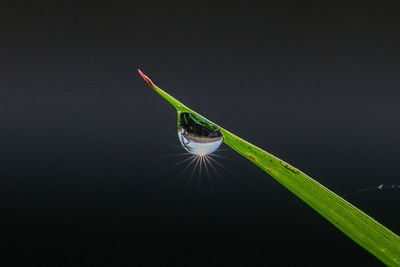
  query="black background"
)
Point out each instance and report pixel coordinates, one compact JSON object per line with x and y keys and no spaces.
{"x":86,"y":176}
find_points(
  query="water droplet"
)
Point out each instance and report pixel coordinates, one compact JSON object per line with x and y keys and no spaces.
{"x":197,"y":135}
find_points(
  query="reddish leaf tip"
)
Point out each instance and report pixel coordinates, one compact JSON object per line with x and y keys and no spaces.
{"x":145,"y":77}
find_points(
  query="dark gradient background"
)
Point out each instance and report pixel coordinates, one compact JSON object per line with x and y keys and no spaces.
{"x":86,"y":179}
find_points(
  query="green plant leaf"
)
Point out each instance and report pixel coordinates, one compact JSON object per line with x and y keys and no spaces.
{"x":364,"y":230}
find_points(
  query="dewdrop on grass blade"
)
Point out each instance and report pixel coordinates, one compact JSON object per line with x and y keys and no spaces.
{"x":198,"y":136}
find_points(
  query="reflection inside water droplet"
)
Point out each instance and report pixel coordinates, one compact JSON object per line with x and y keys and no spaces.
{"x":197,"y":135}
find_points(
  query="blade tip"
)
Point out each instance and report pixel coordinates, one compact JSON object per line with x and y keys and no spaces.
{"x":144,"y":76}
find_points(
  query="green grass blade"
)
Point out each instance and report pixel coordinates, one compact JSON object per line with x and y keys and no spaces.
{"x":364,"y":230}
